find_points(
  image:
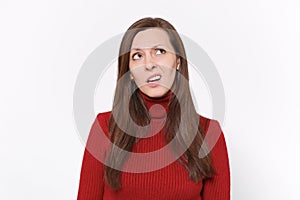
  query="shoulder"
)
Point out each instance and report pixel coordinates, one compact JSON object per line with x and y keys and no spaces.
{"x":209,"y":125}
{"x":103,"y":116}
{"x":213,"y":133}
{"x":98,"y":140}
{"x":101,"y":122}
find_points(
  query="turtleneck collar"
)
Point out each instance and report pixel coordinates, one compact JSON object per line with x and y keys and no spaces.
{"x":157,"y":107}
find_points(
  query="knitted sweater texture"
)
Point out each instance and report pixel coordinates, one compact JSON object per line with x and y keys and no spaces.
{"x":171,"y":182}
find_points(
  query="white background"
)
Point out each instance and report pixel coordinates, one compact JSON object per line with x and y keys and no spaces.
{"x":254,"y":45}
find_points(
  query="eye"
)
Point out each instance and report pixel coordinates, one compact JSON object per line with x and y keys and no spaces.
{"x":136,"y":56}
{"x":160,"y":51}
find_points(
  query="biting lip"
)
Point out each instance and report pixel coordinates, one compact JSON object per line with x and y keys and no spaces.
{"x":153,"y":76}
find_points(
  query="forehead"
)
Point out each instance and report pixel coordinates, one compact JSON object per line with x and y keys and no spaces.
{"x":150,"y":38}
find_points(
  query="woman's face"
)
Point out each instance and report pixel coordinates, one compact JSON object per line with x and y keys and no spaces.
{"x":153,"y":62}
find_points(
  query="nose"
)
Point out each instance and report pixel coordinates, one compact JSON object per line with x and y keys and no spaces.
{"x":149,"y":61}
{"x":150,"y":66}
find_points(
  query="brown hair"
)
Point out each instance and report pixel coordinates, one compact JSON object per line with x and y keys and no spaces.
{"x":198,"y":168}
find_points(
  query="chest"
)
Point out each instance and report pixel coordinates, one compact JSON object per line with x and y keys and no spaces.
{"x":171,"y":182}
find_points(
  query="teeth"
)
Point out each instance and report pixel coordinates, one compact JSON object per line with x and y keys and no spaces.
{"x":155,"y":78}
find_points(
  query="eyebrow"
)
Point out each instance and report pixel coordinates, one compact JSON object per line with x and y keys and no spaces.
{"x":155,"y":46}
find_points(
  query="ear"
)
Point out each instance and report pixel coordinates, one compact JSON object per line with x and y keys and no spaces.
{"x":178,"y":64}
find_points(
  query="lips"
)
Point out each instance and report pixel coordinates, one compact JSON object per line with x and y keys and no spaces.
{"x":154,"y":78}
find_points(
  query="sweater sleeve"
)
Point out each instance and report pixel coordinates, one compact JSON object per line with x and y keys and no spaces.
{"x":91,"y":182}
{"x":217,"y":187}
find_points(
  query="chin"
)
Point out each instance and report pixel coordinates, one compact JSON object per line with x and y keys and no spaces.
{"x":155,"y":94}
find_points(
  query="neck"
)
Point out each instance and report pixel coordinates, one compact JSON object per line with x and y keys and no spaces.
{"x":157,"y":107}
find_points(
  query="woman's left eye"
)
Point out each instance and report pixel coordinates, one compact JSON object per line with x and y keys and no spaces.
{"x":160,"y":51}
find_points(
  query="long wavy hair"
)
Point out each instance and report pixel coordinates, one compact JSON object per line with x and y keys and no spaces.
{"x":127,"y":94}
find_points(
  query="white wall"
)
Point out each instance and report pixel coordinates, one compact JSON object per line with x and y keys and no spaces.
{"x":254,"y":45}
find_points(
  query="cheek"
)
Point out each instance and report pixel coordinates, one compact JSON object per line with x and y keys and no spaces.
{"x":138,"y":76}
{"x":169,"y":77}
{"x":170,"y":67}
{"x":169,"y":61}
{"x":136,"y":72}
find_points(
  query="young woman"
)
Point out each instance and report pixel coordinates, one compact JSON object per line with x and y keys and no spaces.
{"x":157,"y":147}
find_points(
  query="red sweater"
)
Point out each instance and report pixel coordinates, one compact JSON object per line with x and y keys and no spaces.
{"x":170,"y":182}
